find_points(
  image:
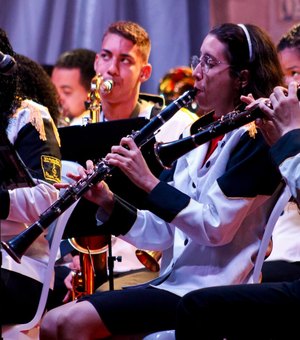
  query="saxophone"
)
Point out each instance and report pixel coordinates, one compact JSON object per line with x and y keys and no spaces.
{"x":92,"y":249}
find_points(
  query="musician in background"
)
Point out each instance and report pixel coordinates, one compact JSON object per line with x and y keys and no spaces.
{"x":71,"y":75}
{"x":283,"y":264}
{"x":271,"y":306}
{"x":207,"y":214}
{"x":32,"y":131}
{"x":124,"y":59}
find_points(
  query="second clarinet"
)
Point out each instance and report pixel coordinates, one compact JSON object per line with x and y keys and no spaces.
{"x":17,"y":246}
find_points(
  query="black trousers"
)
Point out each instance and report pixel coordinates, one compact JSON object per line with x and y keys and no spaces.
{"x":20,"y":296}
{"x":278,"y":271}
{"x":253,"y":311}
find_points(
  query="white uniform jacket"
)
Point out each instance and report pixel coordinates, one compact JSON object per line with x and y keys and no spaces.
{"x":286,"y":153}
{"x":32,"y":132}
{"x":286,"y":234}
{"x":210,"y":226}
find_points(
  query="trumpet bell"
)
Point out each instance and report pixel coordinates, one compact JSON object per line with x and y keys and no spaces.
{"x":149,"y":258}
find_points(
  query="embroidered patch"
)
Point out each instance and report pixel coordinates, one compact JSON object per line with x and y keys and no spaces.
{"x":51,"y":168}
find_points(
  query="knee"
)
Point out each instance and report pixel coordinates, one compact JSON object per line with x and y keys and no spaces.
{"x":54,"y":323}
{"x":196,"y":303}
{"x":47,"y":327}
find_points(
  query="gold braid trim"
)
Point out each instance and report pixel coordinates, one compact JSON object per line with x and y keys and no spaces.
{"x":56,"y":134}
{"x":252,"y":130}
{"x":35,"y":117}
{"x":36,"y":120}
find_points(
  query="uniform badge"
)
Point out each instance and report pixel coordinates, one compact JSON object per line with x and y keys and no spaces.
{"x":51,"y":168}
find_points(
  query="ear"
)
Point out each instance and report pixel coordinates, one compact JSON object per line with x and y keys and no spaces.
{"x":244,"y":78}
{"x":145,"y":72}
{"x":96,"y":62}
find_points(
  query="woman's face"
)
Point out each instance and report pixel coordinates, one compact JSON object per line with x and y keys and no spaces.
{"x":217,"y":89}
{"x":290,"y":62}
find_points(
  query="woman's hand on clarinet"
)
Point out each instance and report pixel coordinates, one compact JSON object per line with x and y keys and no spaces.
{"x":282,"y":113}
{"x":128,"y":157}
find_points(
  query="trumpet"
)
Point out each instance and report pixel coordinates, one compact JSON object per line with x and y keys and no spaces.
{"x":17,"y":246}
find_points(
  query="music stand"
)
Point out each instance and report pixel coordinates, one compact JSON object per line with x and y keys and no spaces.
{"x":94,"y":141}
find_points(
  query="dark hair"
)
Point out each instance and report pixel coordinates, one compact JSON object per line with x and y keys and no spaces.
{"x":9,"y":96}
{"x":133,"y":32}
{"x":291,"y":39}
{"x":35,"y":84}
{"x":80,"y":58}
{"x":264,"y":67}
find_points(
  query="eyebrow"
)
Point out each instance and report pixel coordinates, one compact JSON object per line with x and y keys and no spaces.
{"x":122,"y":54}
{"x":293,"y":67}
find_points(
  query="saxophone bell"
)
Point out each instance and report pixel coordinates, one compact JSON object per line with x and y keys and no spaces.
{"x":149,"y":258}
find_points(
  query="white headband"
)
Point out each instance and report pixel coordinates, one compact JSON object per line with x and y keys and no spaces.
{"x":244,"y":28}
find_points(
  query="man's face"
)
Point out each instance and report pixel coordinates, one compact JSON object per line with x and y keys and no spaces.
{"x":71,"y":92}
{"x":121,"y":61}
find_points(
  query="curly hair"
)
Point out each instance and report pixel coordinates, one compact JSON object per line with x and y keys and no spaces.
{"x":9,"y":91}
{"x":36,"y":84}
{"x":291,"y":39}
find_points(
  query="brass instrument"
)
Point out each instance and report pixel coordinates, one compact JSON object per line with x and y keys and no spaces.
{"x":149,"y":258}
{"x":98,"y":86}
{"x":17,"y":246}
{"x":92,"y":249}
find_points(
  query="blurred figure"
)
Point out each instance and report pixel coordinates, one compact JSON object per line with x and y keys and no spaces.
{"x":35,"y":84}
{"x":33,"y":134}
{"x":283,"y":264}
{"x":289,"y":54}
{"x":71,"y":75}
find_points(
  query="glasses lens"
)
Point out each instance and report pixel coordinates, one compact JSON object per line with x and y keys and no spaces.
{"x":195,"y":60}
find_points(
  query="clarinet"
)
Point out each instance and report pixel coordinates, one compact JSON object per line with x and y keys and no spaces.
{"x":17,"y":246}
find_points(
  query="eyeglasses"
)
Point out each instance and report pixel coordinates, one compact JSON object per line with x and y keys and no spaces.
{"x":206,"y":62}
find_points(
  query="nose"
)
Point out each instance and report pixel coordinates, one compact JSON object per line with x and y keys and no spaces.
{"x":113,"y":66}
{"x":198,"y":72}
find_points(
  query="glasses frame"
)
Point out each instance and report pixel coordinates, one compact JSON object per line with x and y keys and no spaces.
{"x":206,"y":62}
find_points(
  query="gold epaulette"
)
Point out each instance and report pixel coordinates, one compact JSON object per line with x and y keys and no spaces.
{"x":36,"y":119}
